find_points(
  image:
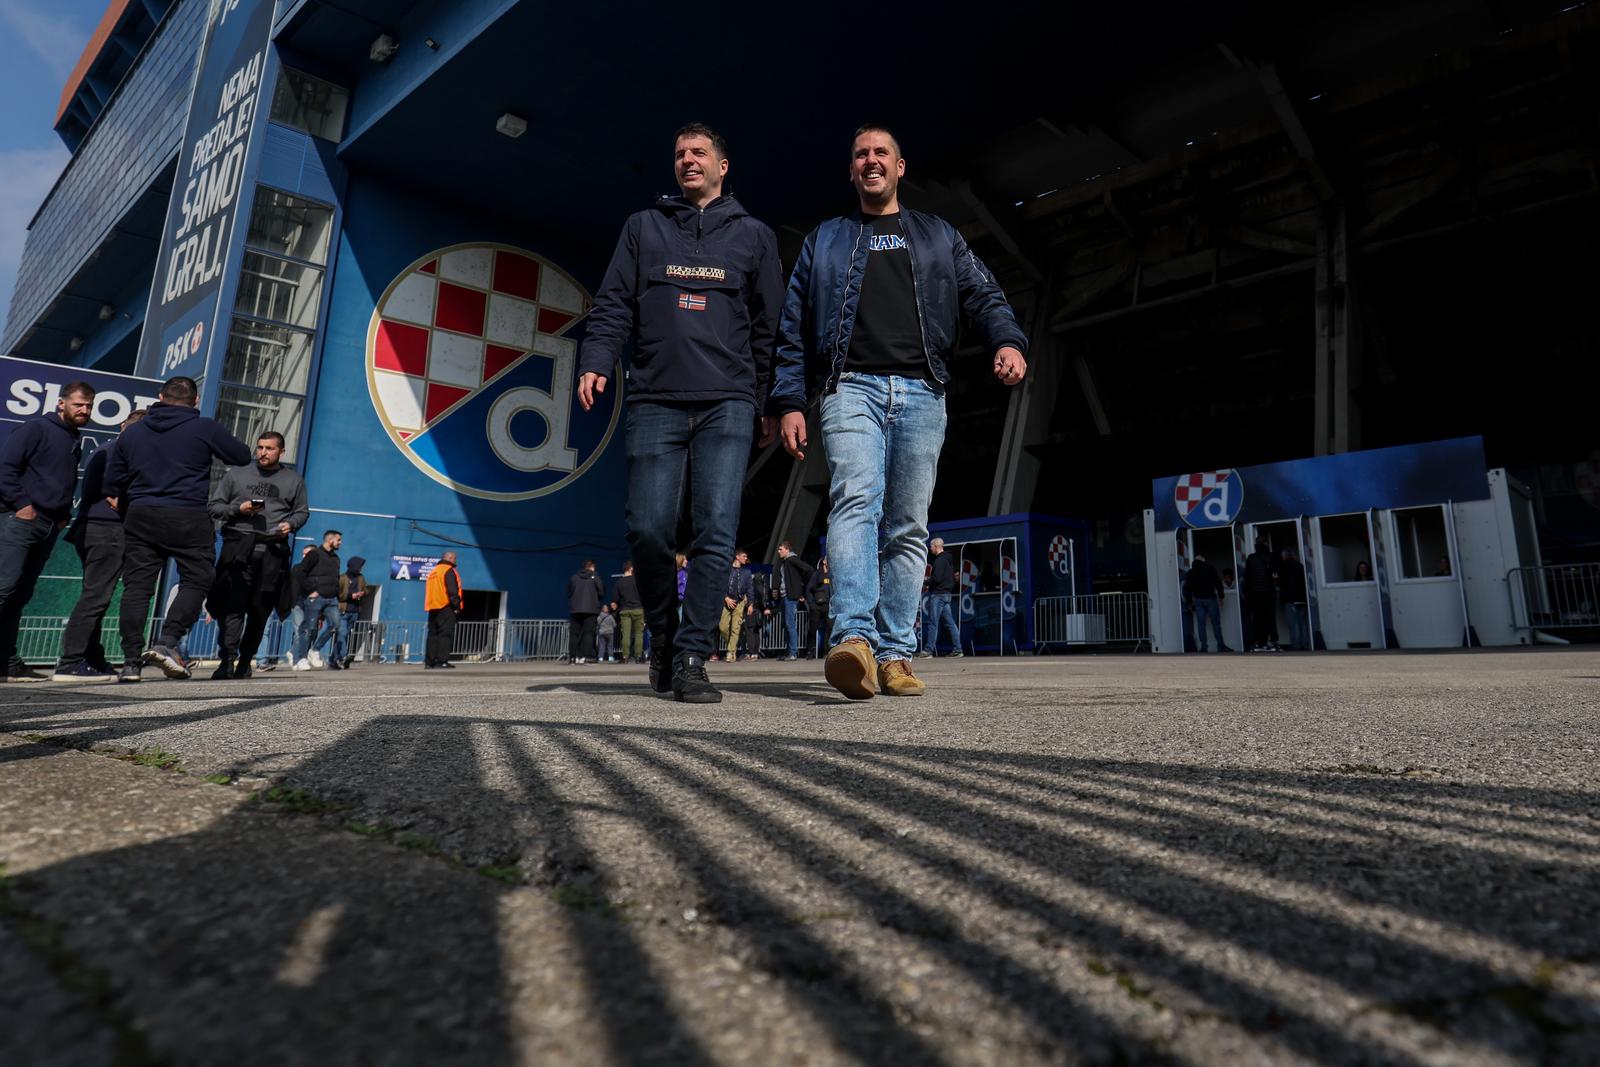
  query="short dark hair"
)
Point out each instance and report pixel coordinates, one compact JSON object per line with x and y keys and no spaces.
{"x":700,"y":129}
{"x":879,"y":128}
{"x":266,"y":435}
{"x":786,"y":544}
{"x":627,"y":564}
{"x":82,"y":388}
{"x":179,"y":388}
{"x":134,"y":416}
{"x":587,"y":563}
{"x":331,"y":533}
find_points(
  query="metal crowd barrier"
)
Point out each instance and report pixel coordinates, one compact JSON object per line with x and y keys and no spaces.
{"x":1097,"y":619}
{"x":773,"y":637}
{"x":1564,"y":596}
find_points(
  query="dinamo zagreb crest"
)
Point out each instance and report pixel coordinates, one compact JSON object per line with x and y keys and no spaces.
{"x":471,"y":365}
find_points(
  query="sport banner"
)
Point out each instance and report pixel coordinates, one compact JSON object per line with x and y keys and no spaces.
{"x":202,"y":216}
{"x":31,"y":389}
{"x":1400,"y":477}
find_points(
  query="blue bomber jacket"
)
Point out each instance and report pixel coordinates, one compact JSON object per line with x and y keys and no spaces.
{"x":819,"y":311}
{"x":695,"y":294}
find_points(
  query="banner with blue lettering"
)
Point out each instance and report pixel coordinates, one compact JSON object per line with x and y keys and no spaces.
{"x":32,"y":389}
{"x":202,"y":214}
{"x":1404,"y":476}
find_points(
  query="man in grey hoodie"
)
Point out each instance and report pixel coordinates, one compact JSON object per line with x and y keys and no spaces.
{"x":259,"y":507}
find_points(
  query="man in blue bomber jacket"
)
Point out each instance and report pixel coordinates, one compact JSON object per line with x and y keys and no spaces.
{"x":694,"y":289}
{"x":872,"y":313}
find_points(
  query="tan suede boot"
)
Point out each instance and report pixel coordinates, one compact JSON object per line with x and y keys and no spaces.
{"x":896,"y":680}
{"x":849,"y":668}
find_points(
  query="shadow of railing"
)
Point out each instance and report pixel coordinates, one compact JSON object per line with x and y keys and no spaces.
{"x":1075,"y":904}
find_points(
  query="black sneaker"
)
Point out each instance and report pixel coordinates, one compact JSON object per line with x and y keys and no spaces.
{"x":661,"y":667}
{"x":691,"y":685}
{"x":242,"y":671}
{"x":131,"y":672}
{"x":21,"y":672}
{"x":345,"y":663}
{"x":80,"y":672}
{"x":169,"y":662}
{"x":224,"y":671}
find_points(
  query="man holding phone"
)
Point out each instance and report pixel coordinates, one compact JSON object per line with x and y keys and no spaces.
{"x":259,"y":506}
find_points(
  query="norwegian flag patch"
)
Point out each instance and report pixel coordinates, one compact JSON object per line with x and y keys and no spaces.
{"x":691,"y":302}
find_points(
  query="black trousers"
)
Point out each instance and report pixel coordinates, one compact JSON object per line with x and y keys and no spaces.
{"x":1263,"y":609}
{"x":581,"y":636}
{"x":25,"y":546}
{"x":99,"y":548}
{"x":152,"y":535}
{"x":751,"y":635}
{"x":247,"y":592}
{"x":441,"y":636}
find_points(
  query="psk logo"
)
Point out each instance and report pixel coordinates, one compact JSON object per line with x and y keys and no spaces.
{"x":197,"y":336}
{"x":1209,"y":498}
{"x":1061,"y":555}
{"x":471,"y":367}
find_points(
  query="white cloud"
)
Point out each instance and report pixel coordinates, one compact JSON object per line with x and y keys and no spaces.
{"x":57,"y":41}
{"x":30,"y":172}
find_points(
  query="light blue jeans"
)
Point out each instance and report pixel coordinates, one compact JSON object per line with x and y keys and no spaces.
{"x":882,"y":436}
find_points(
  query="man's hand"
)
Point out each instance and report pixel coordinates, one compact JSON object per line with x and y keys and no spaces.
{"x":769,"y":431}
{"x":284,"y":528}
{"x":590,"y":385}
{"x":311,"y":595}
{"x":247,"y":508}
{"x":792,"y":428}
{"x":1009,"y":366}
{"x":113,"y":503}
{"x":26,"y":512}
{"x":728,"y":600}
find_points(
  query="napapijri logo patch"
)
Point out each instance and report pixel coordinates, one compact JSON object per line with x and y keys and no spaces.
{"x":700,"y":274}
{"x":690,"y":302}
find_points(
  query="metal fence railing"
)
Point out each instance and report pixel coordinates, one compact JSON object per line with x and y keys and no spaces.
{"x":1098,"y":619}
{"x":1563,"y":596}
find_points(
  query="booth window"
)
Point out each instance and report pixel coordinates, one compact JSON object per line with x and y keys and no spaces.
{"x":291,"y":226}
{"x":1344,"y":548}
{"x":1424,"y":545}
{"x":279,"y":289}
{"x":309,"y":104}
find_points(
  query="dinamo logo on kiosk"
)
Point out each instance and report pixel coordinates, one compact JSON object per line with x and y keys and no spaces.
{"x":1209,"y":498}
{"x":472,"y":371}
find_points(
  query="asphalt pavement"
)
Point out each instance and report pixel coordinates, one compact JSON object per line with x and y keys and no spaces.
{"x":1336,"y":858}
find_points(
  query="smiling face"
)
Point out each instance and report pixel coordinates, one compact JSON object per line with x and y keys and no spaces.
{"x":698,"y":168}
{"x":876,"y":169}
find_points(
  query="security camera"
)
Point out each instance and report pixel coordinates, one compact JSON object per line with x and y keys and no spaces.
{"x":383,"y":47}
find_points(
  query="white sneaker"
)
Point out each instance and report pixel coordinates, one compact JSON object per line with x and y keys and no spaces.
{"x":315,"y":657}
{"x":580,"y":659}
{"x":301,"y":665}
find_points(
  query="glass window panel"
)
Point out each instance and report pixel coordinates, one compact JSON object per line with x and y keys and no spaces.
{"x":309,"y":104}
{"x":1346,"y":553}
{"x":290,"y":225}
{"x":1424,"y":547}
{"x":247,"y":414}
{"x":278,"y":289}
{"x":267,"y":356}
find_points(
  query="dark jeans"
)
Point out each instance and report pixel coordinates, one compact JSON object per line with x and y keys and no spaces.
{"x":581,"y":636}
{"x":154,"y":535}
{"x":938,"y":620}
{"x":702,"y":447}
{"x":1208,"y":608}
{"x":249,"y":592}
{"x":25,"y":546}
{"x":1263,"y":608}
{"x":441,"y":636}
{"x":751,"y":634}
{"x":99,"y":548}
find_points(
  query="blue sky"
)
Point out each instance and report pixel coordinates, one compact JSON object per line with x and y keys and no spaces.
{"x":40,"y":42}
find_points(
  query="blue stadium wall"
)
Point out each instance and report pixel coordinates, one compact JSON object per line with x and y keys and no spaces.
{"x":365,"y":483}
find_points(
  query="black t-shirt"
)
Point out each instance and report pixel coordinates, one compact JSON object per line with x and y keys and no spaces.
{"x":887,"y":338}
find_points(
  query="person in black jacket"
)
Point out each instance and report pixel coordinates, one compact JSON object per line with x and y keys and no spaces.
{"x":38,"y":472}
{"x":1261,"y":598}
{"x":317,"y":577}
{"x":756,"y":612}
{"x":1292,"y":592}
{"x":162,"y":468}
{"x":819,"y":593}
{"x":939,"y":618}
{"x":630,"y":616}
{"x":585,"y":594}
{"x":1204,"y":589}
{"x":789,"y":580}
{"x":97,"y":536}
{"x":694,"y":288}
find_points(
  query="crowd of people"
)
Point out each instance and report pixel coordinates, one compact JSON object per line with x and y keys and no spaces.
{"x":1270,"y":580}
{"x":147,"y":500}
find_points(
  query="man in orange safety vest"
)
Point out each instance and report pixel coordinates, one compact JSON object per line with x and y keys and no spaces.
{"x":443,"y":601}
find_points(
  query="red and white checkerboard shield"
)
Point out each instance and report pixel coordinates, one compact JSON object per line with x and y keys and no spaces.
{"x":1208,"y":498}
{"x":456,"y":320}
{"x":1193,"y":488}
{"x":969,"y":585}
{"x":1060,"y":555}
